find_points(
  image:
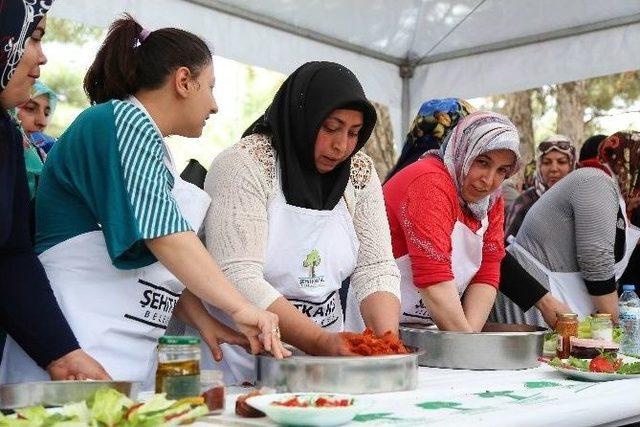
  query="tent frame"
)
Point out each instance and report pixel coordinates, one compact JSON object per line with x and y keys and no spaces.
{"x":407,"y":66}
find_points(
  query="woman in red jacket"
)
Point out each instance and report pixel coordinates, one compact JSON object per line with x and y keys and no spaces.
{"x":446,"y":218}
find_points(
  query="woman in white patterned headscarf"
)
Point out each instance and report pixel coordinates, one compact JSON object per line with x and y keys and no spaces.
{"x":556,"y":158}
{"x":446,"y":219}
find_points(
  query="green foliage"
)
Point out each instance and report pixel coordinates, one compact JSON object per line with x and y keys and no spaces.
{"x":67,"y":31}
{"x":613,"y":91}
{"x":67,"y":83}
{"x":258,"y":95}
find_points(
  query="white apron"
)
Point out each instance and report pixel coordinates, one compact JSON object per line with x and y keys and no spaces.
{"x":466,"y":258}
{"x":116,"y":315}
{"x":570,"y":287}
{"x":309,"y":254}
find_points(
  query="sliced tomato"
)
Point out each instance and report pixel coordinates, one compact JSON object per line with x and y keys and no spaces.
{"x":130,"y":411}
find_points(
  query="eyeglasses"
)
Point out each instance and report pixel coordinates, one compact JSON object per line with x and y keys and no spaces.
{"x":547,"y":146}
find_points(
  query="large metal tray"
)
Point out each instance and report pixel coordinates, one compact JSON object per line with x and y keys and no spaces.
{"x":497,"y":347}
{"x":58,"y":393}
{"x":353,"y":375}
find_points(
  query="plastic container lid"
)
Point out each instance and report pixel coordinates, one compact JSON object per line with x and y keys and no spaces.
{"x":179,"y":340}
{"x":629,"y":287}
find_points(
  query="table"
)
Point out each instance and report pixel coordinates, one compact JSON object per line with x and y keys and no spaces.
{"x":446,"y":397}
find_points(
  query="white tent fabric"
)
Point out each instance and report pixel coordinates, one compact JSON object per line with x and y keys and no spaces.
{"x":463,"y":48}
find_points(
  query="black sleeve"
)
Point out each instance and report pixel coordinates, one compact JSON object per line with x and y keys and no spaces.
{"x":632,"y":273}
{"x":29,"y":311}
{"x":518,"y":285}
{"x":600,"y":287}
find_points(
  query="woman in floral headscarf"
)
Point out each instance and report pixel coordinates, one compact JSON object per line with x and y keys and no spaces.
{"x":433,"y":123}
{"x":29,"y":311}
{"x":578,"y":238}
{"x":446,"y":220}
{"x":556,"y":158}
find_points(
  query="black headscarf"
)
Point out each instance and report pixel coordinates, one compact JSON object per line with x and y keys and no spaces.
{"x":18,"y":19}
{"x":293,"y":120}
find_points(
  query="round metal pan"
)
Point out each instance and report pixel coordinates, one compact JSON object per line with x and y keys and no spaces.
{"x":497,"y":347}
{"x":352,"y":375}
{"x":58,"y":393}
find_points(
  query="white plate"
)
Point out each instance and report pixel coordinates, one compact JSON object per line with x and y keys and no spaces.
{"x":593,"y":376}
{"x":319,"y":417}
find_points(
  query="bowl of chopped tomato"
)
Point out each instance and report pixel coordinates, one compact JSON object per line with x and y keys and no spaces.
{"x":306,"y":409}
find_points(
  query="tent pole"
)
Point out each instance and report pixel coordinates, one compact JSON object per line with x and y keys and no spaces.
{"x":406,"y":70}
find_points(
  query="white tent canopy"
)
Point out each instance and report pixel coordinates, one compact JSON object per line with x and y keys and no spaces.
{"x":461,"y":48}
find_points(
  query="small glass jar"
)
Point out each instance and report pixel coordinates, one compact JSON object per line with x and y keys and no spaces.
{"x":602,"y":327}
{"x":566,"y":327}
{"x":178,"y":372}
{"x":212,"y":386}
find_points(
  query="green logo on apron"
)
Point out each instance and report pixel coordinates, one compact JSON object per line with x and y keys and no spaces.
{"x":312,"y":260}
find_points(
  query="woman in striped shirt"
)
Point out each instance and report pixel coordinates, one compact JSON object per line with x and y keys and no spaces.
{"x":116,"y":226}
{"x":576,"y":241}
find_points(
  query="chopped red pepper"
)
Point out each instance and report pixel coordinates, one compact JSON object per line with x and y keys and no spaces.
{"x":367,"y":344}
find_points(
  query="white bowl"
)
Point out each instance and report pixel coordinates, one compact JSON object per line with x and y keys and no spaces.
{"x":310,"y":416}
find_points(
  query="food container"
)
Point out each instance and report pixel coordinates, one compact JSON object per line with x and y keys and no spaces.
{"x":212,"y":387}
{"x":497,"y":347}
{"x":178,"y":372}
{"x":353,"y":375}
{"x":58,"y":393}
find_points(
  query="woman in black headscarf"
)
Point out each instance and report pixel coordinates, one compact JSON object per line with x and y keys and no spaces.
{"x":297,"y":208}
{"x":28,"y":309}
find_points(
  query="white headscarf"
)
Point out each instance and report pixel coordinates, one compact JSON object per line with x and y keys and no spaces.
{"x":476,"y":134}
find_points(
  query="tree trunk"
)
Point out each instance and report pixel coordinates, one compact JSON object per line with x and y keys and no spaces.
{"x":380,"y":146}
{"x":518,"y":108}
{"x":572,"y":100}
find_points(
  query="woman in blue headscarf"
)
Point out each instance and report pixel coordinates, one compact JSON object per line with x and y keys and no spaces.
{"x":29,"y":311}
{"x":434,"y":121}
{"x":34,"y":116}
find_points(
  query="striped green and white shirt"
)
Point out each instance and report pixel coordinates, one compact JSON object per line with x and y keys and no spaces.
{"x":107,"y":173}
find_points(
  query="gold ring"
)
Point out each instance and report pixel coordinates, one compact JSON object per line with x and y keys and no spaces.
{"x":276,"y":331}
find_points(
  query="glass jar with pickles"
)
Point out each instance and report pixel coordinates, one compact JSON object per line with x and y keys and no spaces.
{"x":178,"y":373}
{"x":566,"y":327}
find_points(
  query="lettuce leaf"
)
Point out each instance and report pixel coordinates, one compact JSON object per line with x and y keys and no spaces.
{"x":618,"y":334}
{"x":35,"y":414}
{"x":159,"y":410}
{"x":629,"y":368}
{"x":581,"y":364}
{"x":108,"y":406}
{"x":79,"y":410}
{"x":550,"y":343}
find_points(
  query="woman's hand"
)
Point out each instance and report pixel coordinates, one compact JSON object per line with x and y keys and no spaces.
{"x":261,"y":329}
{"x":334,"y":344}
{"x":550,"y":307}
{"x":215,"y":333}
{"x":77,"y":365}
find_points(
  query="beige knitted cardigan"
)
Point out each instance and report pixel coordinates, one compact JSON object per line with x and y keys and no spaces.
{"x":241,"y":183}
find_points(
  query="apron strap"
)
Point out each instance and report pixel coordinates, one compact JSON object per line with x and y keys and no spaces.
{"x":512,"y":242}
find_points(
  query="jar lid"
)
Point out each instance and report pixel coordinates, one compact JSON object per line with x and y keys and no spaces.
{"x":209,"y":376}
{"x":602,"y":316}
{"x":567,"y":316}
{"x":179,"y":340}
